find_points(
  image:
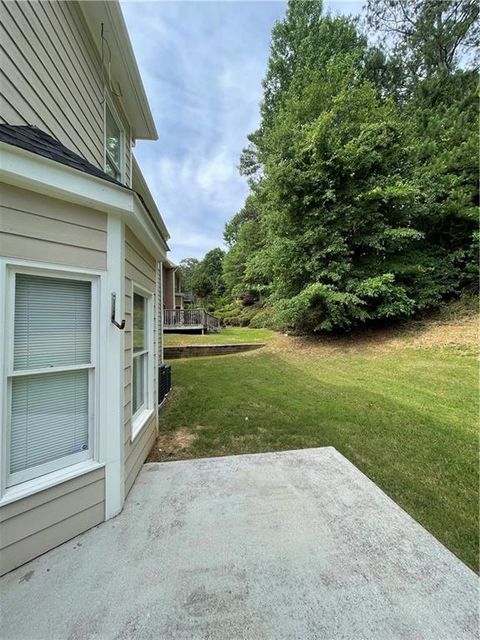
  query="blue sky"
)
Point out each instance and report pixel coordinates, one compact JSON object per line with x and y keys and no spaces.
{"x":202,"y":64}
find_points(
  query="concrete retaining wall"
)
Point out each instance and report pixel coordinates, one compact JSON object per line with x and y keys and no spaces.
{"x":199,"y":350}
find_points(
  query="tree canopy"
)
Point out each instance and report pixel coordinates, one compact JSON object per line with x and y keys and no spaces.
{"x":362,"y":173}
{"x":204,"y":278}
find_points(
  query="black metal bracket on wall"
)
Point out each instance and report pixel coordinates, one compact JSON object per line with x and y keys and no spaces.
{"x":119,"y":325}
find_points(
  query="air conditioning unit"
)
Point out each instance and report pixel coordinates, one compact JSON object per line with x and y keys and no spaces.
{"x":164,"y":381}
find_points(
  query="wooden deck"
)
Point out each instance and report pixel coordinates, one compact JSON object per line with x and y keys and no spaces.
{"x":176,"y":320}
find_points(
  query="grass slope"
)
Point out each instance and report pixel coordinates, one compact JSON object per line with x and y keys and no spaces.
{"x":230,"y":335}
{"x":401,"y":408}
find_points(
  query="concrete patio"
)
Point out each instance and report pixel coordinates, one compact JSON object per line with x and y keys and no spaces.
{"x":296,"y":545}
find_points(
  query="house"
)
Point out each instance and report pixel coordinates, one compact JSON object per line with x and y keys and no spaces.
{"x":176,"y":316}
{"x":173,"y":296}
{"x":81,"y":248}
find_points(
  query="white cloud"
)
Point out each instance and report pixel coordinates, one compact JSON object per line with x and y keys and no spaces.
{"x":202,"y":64}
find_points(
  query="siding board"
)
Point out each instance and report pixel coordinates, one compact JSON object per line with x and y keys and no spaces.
{"x":39,"y":53}
{"x":41,"y":517}
{"x":13,"y":246}
{"x":36,"y":499}
{"x":143,"y":445}
{"x":139,"y":263}
{"x":39,"y":522}
{"x":83,"y":65}
{"x":68,"y":234}
{"x":54,"y":80}
{"x":45,"y":103}
{"x":33,"y":546}
{"x":140,"y":267}
{"x":26,"y":224}
{"x":137,"y":276}
{"x":30,"y":202}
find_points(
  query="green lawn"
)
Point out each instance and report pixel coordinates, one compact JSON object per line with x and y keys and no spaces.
{"x":405,"y":415}
{"x":230,"y":335}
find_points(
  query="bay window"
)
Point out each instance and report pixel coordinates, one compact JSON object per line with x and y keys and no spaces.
{"x":141,"y":365}
{"x":50,"y":374}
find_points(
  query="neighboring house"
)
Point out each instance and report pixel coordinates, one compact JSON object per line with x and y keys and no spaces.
{"x":172,"y":286}
{"x":81,"y":247}
{"x":179,"y":313}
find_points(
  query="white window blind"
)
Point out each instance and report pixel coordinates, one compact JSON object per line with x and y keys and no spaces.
{"x":49,"y":418}
{"x":50,"y":406}
{"x":53,"y":320}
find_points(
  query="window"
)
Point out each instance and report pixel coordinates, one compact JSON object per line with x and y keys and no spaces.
{"x":141,"y":401}
{"x":50,"y":378}
{"x":113,"y":146}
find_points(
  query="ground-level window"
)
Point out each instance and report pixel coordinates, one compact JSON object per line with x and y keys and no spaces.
{"x":50,"y":378}
{"x":141,"y":369}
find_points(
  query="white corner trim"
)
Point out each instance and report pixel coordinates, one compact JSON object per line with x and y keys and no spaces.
{"x":111,"y":445}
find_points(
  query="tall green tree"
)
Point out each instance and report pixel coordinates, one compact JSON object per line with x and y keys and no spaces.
{"x":430,"y":36}
{"x":362,"y":204}
{"x":207,"y":278}
{"x":188,"y":269}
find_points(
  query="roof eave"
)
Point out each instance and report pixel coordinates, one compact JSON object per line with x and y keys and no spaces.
{"x":27,"y":170}
{"x":124,"y":67}
{"x":140,"y":185}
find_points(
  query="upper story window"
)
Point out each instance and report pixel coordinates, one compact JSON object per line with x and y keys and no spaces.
{"x":113,"y":146}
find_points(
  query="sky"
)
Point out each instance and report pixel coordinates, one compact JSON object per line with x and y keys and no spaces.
{"x":202,"y":64}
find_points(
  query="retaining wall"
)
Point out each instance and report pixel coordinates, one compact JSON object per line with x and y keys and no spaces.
{"x":199,"y":350}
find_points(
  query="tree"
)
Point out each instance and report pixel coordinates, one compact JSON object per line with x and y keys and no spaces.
{"x":188,"y":268}
{"x":207,"y":277}
{"x":430,"y":36}
{"x":362,"y":194}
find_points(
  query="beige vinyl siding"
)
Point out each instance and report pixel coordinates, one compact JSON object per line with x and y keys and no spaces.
{"x":141,"y":269}
{"x":50,"y":77}
{"x":36,"y":227}
{"x":51,"y":74}
{"x":35,"y":524}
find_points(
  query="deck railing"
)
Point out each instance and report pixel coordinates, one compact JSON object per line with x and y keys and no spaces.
{"x":190,"y":318}
{"x":212,"y":323}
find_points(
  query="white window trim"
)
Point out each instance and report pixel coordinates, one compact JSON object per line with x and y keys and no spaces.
{"x":49,"y":476}
{"x":145,"y":412}
{"x":108,"y":104}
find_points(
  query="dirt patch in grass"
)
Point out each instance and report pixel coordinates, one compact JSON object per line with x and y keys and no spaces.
{"x":420,"y":334}
{"x":444,"y":334}
{"x":170,"y":446}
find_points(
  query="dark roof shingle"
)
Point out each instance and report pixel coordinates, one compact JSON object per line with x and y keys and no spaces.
{"x":37,"y":141}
